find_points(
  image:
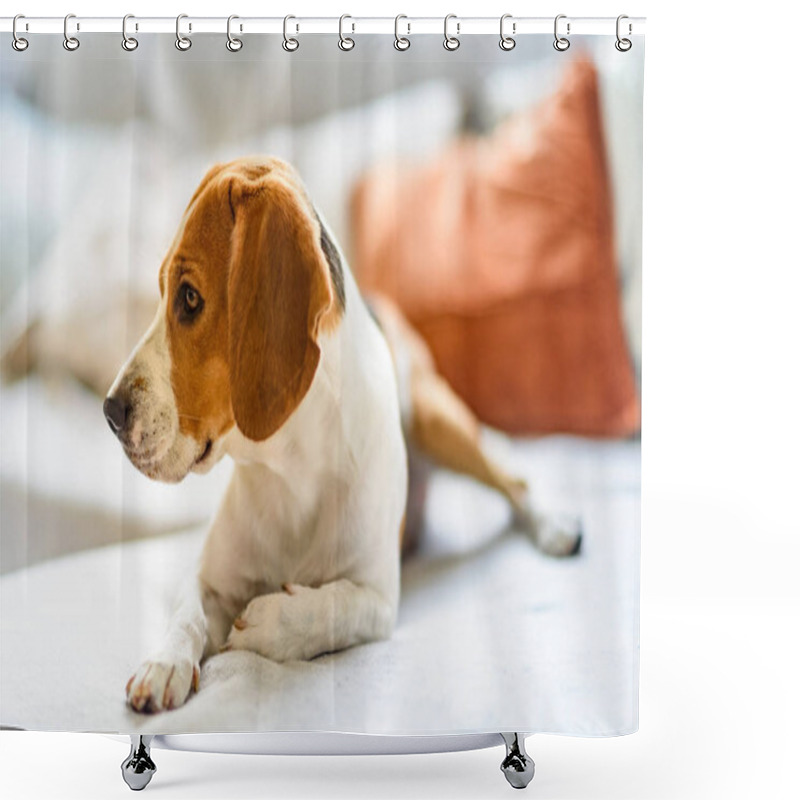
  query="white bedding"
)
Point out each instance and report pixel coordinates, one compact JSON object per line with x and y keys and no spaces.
{"x":567,"y":630}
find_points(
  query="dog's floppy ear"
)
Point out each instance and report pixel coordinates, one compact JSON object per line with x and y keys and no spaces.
{"x":278,"y":291}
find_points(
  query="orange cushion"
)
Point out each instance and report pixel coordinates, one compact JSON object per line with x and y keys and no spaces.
{"x":501,"y":255}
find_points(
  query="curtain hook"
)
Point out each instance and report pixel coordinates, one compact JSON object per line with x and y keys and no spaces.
{"x":290,"y":44}
{"x":507,"y":42}
{"x":623,"y":45}
{"x":561,"y":43}
{"x":451,"y":42}
{"x":346,"y":43}
{"x":401,"y":42}
{"x":129,"y":43}
{"x":70,"y":43}
{"x":233,"y":44}
{"x":182,"y":42}
{"x":18,"y":43}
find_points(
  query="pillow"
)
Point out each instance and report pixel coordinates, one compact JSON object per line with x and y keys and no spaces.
{"x":514,"y":87}
{"x":501,"y":254}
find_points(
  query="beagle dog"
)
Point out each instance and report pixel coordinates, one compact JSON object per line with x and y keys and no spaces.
{"x":263,"y":349}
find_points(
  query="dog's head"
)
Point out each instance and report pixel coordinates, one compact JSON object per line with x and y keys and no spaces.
{"x":248,"y":285}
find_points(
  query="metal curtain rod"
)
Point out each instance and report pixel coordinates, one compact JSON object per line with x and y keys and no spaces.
{"x":304,"y":25}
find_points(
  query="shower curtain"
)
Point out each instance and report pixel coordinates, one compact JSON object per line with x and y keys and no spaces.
{"x":487,"y":202}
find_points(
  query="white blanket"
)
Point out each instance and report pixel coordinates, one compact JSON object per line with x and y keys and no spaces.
{"x":491,"y":634}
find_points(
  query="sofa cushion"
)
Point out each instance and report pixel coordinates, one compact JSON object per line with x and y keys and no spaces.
{"x":501,"y":253}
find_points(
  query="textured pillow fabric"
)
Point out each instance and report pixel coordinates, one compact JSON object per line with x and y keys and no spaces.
{"x":501,"y":254}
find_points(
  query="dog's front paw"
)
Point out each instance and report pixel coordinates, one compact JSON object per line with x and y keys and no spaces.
{"x":162,"y":684}
{"x":268,"y":625}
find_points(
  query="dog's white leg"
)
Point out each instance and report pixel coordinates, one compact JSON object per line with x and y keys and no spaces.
{"x":165,"y":680}
{"x":301,"y":622}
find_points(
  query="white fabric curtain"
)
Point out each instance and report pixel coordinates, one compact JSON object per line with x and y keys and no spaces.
{"x":101,"y":151}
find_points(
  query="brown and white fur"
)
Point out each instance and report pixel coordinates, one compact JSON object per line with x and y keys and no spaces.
{"x":263,"y":349}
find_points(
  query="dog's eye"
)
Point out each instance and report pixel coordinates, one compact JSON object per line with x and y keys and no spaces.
{"x":190,"y":303}
{"x":191,"y":299}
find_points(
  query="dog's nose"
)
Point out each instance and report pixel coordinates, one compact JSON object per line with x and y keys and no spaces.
{"x":116,"y":412}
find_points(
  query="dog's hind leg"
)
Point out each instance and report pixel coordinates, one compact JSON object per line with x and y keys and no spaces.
{"x":439,"y":425}
{"x":435,"y":419}
{"x":444,"y":428}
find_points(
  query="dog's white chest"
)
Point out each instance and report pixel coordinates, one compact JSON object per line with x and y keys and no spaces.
{"x":295,"y":531}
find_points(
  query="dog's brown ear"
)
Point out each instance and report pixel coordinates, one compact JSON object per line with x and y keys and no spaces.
{"x":212,"y":173}
{"x":278,"y":291}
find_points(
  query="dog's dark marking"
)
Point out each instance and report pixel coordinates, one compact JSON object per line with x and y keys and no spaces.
{"x":334,"y":262}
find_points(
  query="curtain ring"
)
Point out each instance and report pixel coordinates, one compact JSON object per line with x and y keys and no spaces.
{"x":18,"y":43}
{"x":182,"y":42}
{"x":129,"y":43}
{"x":233,"y":44}
{"x":507,"y":42}
{"x":451,"y":43}
{"x":70,"y":43}
{"x":561,"y":43}
{"x":623,"y":45}
{"x":346,"y":43}
{"x":290,"y":44}
{"x":401,"y":42}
